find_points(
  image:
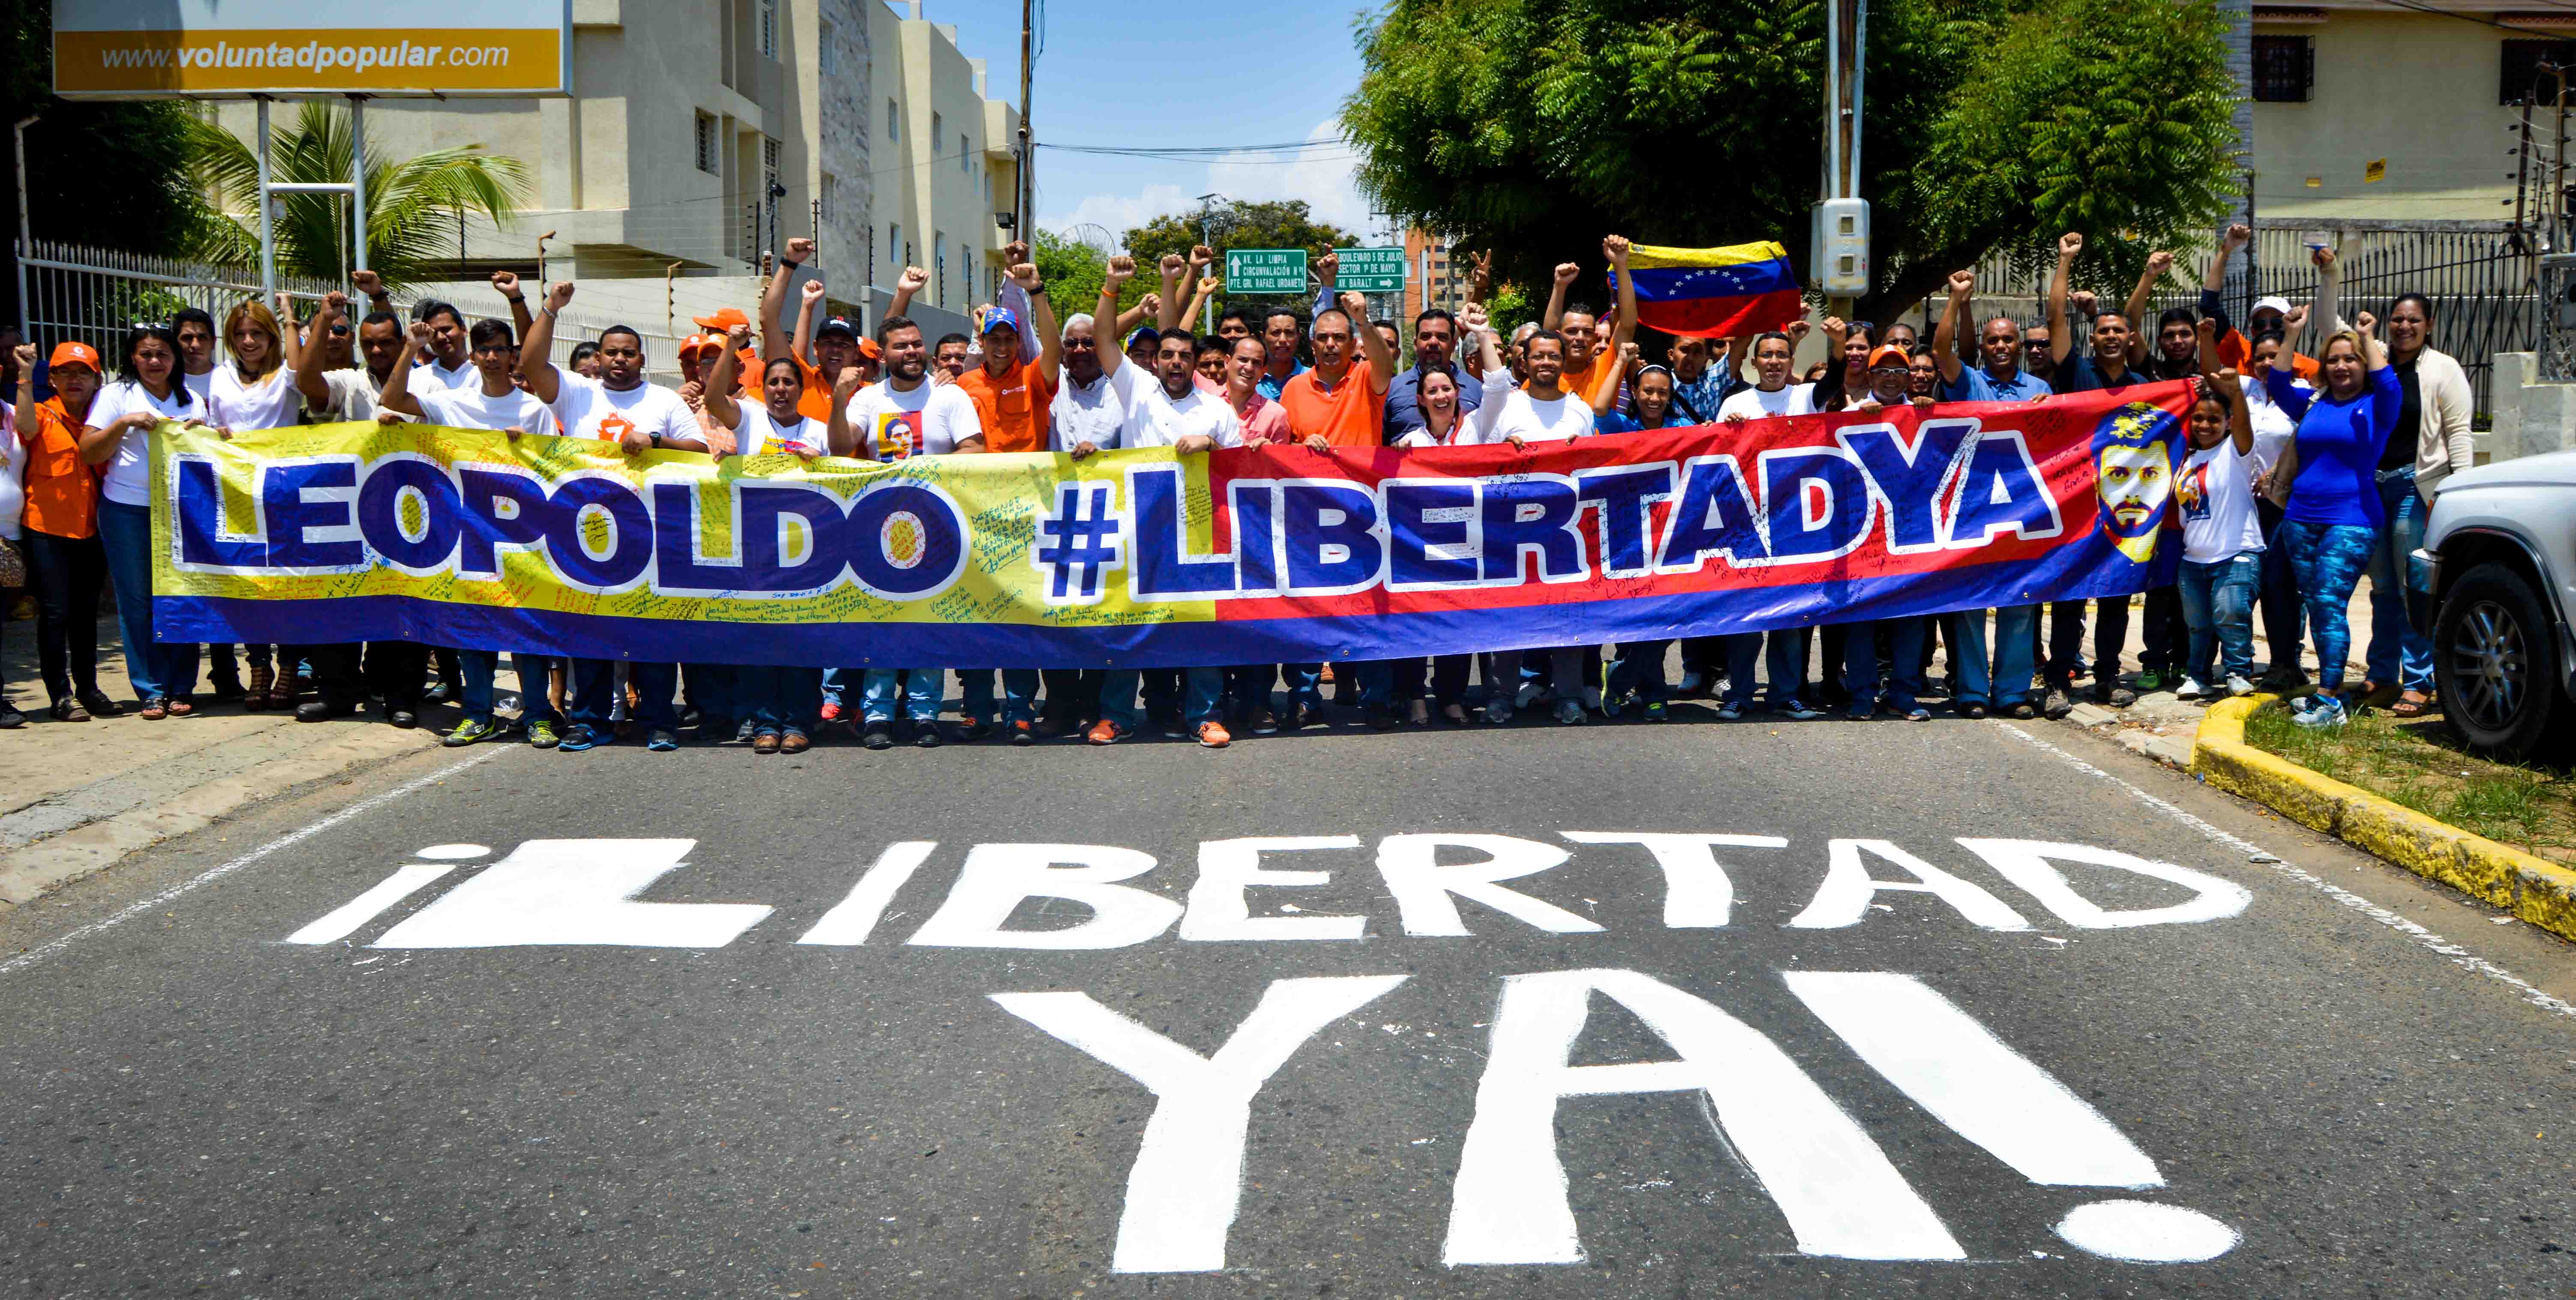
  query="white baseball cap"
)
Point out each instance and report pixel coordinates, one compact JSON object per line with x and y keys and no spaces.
{"x":2273,"y":303}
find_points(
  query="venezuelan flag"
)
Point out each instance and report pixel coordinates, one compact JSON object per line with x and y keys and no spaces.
{"x":1715,"y":292}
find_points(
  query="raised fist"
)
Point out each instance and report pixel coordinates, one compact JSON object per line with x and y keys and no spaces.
{"x":847,"y":383}
{"x":1472,"y":317}
{"x":800,"y":249}
{"x":420,"y":333}
{"x":2238,"y":236}
{"x":2159,"y":262}
{"x":25,"y":353}
{"x":1566,"y":273}
{"x":2069,"y":245}
{"x":505,"y":283}
{"x":1202,"y":256}
{"x":1152,"y":303}
{"x":1962,"y":283}
{"x":335,"y":303}
{"x":368,"y":282}
{"x":914,"y":279}
{"x":2295,"y":319}
{"x":1329,"y":266}
{"x":1357,"y":305}
{"x":2083,"y":302}
{"x":1615,"y":247}
{"x":2364,"y":323}
{"x":1024,"y":274}
{"x":813,"y":292}
{"x":737,"y":336}
{"x":1015,"y":252}
{"x":560,"y":296}
{"x":1171,"y":265}
{"x":2323,"y":257}
{"x":1122,"y":268}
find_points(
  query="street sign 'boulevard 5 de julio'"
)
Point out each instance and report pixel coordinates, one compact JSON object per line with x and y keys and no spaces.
{"x":1283,"y":270}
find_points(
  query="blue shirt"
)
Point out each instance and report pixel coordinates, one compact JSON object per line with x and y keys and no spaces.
{"x":1706,"y":393}
{"x":1269,"y":387}
{"x":1977,"y":385}
{"x":2339,"y":446}
{"x":1404,"y":399}
{"x":2078,"y":374}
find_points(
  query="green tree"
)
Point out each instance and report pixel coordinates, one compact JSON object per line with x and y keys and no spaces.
{"x":413,"y":206}
{"x":1073,"y":272}
{"x":1534,"y":126}
{"x":1285,"y":224}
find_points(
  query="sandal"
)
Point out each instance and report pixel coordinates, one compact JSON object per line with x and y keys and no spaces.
{"x":263,"y":682}
{"x":2411,"y":704}
{"x":281,"y":693}
{"x":154,"y":710}
{"x":180,"y":708}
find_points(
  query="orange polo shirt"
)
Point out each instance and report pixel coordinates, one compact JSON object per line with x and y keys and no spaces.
{"x":62,"y":493}
{"x":1012,"y":407}
{"x":1577,"y":381}
{"x":1348,"y":414}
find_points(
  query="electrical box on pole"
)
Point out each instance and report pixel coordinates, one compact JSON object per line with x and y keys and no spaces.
{"x":1839,"y":254}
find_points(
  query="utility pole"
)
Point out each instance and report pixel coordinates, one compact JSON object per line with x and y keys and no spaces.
{"x":1207,"y":218}
{"x":1025,"y":195}
{"x":1841,"y":235}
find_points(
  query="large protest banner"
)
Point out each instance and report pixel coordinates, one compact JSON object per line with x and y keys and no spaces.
{"x":361,"y":532}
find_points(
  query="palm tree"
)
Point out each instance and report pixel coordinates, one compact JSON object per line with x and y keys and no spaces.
{"x":415,"y":207}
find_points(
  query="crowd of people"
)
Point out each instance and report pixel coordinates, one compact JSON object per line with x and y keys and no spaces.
{"x":2301,"y":475}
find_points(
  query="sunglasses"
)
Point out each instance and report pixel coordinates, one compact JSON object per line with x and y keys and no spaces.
{"x":340,"y":331}
{"x":1081,"y":345}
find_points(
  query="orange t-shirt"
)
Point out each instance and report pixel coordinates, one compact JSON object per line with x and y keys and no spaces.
{"x":816,"y":401}
{"x":1013,"y":408}
{"x":1348,"y":414}
{"x":2233,"y":352}
{"x":1578,"y":382}
{"x":62,"y":493}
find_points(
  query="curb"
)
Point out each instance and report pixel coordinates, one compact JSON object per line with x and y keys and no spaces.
{"x":2540,"y":892}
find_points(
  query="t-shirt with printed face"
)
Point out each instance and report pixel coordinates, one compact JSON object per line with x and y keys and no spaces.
{"x":472,"y":408}
{"x":1156,"y":419}
{"x":2215,"y":495}
{"x":589,"y":408}
{"x":763,"y":434}
{"x":930,"y":420}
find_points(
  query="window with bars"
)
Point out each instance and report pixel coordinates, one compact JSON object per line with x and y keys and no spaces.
{"x":2285,"y":68}
{"x":831,"y":194}
{"x":769,"y":28}
{"x":710,"y":159}
{"x":827,"y":57}
{"x":2520,"y":72}
{"x":894,"y":122}
{"x":768,"y":166}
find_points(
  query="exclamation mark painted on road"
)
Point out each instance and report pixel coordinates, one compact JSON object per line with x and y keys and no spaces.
{"x":1970,"y":1080}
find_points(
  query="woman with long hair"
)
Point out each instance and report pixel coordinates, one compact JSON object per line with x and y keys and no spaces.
{"x":66,"y":565}
{"x":256,"y":390}
{"x":1442,"y":427}
{"x":117,"y":433}
{"x":2429,"y":442}
{"x":2334,"y":515}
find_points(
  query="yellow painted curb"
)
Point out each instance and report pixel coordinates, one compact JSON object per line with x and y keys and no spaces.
{"x":2538,"y":891}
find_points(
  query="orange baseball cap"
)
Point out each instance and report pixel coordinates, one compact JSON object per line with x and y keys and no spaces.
{"x":723,"y":319}
{"x":696,"y":344}
{"x":868,"y":348}
{"x":1889,"y":354}
{"x":73,"y":354}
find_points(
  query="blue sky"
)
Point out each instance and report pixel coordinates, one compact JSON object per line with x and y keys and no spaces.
{"x":1113,"y":73}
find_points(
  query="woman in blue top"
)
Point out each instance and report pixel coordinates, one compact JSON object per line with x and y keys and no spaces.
{"x":2333,"y":517}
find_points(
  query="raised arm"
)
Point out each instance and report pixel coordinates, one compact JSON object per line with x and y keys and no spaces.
{"x":373,"y":286}
{"x":506,"y":284}
{"x":2061,"y":341}
{"x":2374,"y":356}
{"x":721,"y":375}
{"x":775,"y":342}
{"x":2209,"y":362}
{"x":1120,"y":270}
{"x":1381,"y":358}
{"x":2328,"y":313}
{"x":290,"y":343}
{"x":2213,"y":297}
{"x":1565,"y":276}
{"x":308,"y":365}
{"x":396,"y":395}
{"x":1954,"y":314}
{"x":1176,"y":272}
{"x":2280,"y":378}
{"x":809,"y":309}
{"x":2158,"y":262}
{"x":1038,"y":326}
{"x":1623,"y":327}
{"x":1149,"y":305}
{"x":2240,"y":421}
{"x":536,"y":364}
{"x":1497,"y":378}
{"x":912,"y":281}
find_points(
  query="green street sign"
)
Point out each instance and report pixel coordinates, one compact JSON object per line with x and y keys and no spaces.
{"x":1371,"y":270}
{"x":1265,"y":271}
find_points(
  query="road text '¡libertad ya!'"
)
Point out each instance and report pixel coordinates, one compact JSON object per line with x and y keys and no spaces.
{"x":1954,"y":486}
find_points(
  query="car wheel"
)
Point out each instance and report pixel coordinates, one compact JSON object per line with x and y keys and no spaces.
{"x":2493,"y":662}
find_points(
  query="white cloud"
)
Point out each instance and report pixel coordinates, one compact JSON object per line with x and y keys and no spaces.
{"x":1119,"y":213}
{"x":1325,"y":180}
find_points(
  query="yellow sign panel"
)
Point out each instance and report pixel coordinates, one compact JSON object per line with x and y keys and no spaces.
{"x":110,"y":49}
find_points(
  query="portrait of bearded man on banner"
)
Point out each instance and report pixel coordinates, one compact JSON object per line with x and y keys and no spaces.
{"x":2133,"y":466}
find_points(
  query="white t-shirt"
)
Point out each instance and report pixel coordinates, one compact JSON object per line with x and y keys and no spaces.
{"x":1096,"y":415}
{"x":2215,"y":493}
{"x":202,"y":385}
{"x":271,"y":402}
{"x":1155,"y":420}
{"x":587,"y":408}
{"x":2274,"y":430}
{"x":762,"y":435}
{"x":472,"y":408}
{"x":463,"y":376}
{"x":928,"y":421}
{"x":129,"y":473}
{"x":13,"y":473}
{"x":1507,"y":409}
{"x":1754,"y":404}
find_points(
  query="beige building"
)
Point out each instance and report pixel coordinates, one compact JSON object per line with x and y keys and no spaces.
{"x":2342,"y":85}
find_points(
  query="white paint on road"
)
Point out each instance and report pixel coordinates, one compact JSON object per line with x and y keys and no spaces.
{"x":1972,"y":1081}
{"x":2143,"y":1232}
{"x":1187,"y":1183}
{"x":1698,"y":895}
{"x":1838,"y":1191}
{"x":1423,"y":886}
{"x":999,"y":877}
{"x":574,"y":892}
{"x":453,"y":852}
{"x":1848,"y":891}
{"x":344,"y":920}
{"x":2460,"y":957}
{"x":1219,"y":912}
{"x":2027,"y":863}
{"x":850,"y":923}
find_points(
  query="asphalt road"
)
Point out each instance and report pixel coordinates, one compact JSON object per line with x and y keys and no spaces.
{"x":508,"y":1082}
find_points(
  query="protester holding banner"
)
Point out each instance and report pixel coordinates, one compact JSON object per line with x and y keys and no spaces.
{"x":66,"y":563}
{"x":782,"y":702}
{"x":2107,"y":369}
{"x":1541,"y":411}
{"x":119,"y":434}
{"x":1339,"y":402}
{"x":2334,"y":514}
{"x":2222,"y":545}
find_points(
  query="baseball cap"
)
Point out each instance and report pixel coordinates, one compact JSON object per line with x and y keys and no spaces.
{"x":2273,"y":303}
{"x":1001,"y":318}
{"x":723,"y":318}
{"x":699,"y":344}
{"x":68,"y":353}
{"x":1889,"y":354}
{"x":1143,"y":334}
{"x":836,"y":325}
{"x":868,"y":348}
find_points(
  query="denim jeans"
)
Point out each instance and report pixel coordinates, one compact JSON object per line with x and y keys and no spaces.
{"x":975,"y":694}
{"x":480,"y":668}
{"x":1784,"y":661}
{"x":780,"y":700}
{"x":2285,"y":620}
{"x":917,"y":690}
{"x":838,"y":683}
{"x":1565,"y":667}
{"x":2329,"y":559}
{"x":1999,"y":678}
{"x":1861,"y":666}
{"x":715,"y":690}
{"x":595,"y":697}
{"x":2218,"y":598}
{"x":158,"y":670}
{"x":1202,"y":695}
{"x":2399,"y":655}
{"x":1641,"y":669}
{"x":1019,"y":695}
{"x":1305,"y":683}
{"x":1118,"y":697}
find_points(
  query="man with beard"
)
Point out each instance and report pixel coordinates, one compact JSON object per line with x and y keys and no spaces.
{"x":1435,"y":343}
{"x":1011,"y":388}
{"x":2107,"y":369}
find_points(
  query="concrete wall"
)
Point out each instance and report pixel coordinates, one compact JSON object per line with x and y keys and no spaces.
{"x":2416,"y":89}
{"x":2530,"y":417}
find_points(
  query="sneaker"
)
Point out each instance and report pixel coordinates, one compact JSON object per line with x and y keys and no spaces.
{"x":926,"y":735}
{"x":878,"y":734}
{"x":832,"y":712}
{"x":2150,"y":681}
{"x":2285,"y":679}
{"x":542,"y":735}
{"x":1528,"y":695}
{"x":2057,"y":703}
{"x":2327,"y":714}
{"x":2238,"y":687}
{"x":2115,"y":696}
{"x":973,"y":729}
{"x":2191,"y":689}
{"x":1592,"y":699}
{"x":1730,"y":711}
{"x":577,"y":738}
{"x":1307,"y":716}
{"x":2024,"y":711}
{"x":10,"y":718}
{"x":1213,"y":735}
{"x":438,"y":693}
{"x":469,"y":732}
{"x":1264,"y":723}
{"x":1797,"y":709}
{"x":1654,"y":712}
{"x":742,"y":729}
{"x":1691,"y":682}
{"x":1105,"y":732}
{"x":662,"y":741}
{"x":1918,"y":714}
{"x":1498,"y":714}
{"x":1569,"y":713}
{"x":1023,"y":732}
{"x":1611,"y":705}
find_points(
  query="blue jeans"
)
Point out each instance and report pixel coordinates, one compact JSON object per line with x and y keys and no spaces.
{"x":975,"y":694}
{"x":780,"y":700}
{"x":1305,"y":683}
{"x":716,"y":691}
{"x":2329,"y":559}
{"x":1377,"y":682}
{"x":1999,"y":680}
{"x":159,"y":670}
{"x":1019,"y":695}
{"x":916,"y":689}
{"x":478,"y":669}
{"x":838,"y":682}
{"x":2399,"y":654}
{"x":2218,"y":601}
{"x":1861,"y":667}
{"x":1118,"y":697}
{"x":1784,"y":661}
{"x":1202,"y":695}
{"x":1641,"y":669}
{"x":594,"y":695}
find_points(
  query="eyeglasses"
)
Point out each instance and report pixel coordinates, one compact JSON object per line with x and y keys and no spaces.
{"x":1081,"y":345}
{"x":340,"y":331}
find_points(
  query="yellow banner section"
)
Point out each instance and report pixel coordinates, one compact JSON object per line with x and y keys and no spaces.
{"x":390,"y":61}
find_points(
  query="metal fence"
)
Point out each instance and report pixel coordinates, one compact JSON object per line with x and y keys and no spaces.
{"x":95,"y":295}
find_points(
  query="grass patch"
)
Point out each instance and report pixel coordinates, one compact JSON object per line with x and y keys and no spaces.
{"x":2417,"y":763}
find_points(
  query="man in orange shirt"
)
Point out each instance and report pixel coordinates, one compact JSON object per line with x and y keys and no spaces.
{"x":1581,"y":327}
{"x":1011,"y":390}
{"x":835,"y":345}
{"x":1341,"y":402}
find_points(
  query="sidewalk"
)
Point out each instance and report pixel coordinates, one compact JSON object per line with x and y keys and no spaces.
{"x":79,"y":796}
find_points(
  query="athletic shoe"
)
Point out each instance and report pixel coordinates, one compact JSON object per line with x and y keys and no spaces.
{"x":1307,"y":716}
{"x":1023,"y":732}
{"x":469,"y":732}
{"x":1569,"y":713}
{"x":1655,"y":712}
{"x":2237,"y":686}
{"x":1105,"y":732}
{"x":925,"y":735}
{"x":1730,"y":712}
{"x":2191,"y":689}
{"x":832,"y":712}
{"x":662,"y":740}
{"x":2150,"y":681}
{"x":1918,"y":714}
{"x":2057,"y":703}
{"x":2284,"y":679}
{"x":2327,"y":714}
{"x":742,"y":729}
{"x":99,"y":705}
{"x":1498,"y":714}
{"x":1798,"y":710}
{"x":1212,"y":735}
{"x":1610,"y":706}
{"x":1592,"y":698}
{"x":2024,"y":711}
{"x":10,"y":718}
{"x":1264,"y":723}
{"x":973,"y":729}
{"x":878,"y":734}
{"x":2115,"y":696}
{"x":1692,"y":680}
{"x":577,"y":738}
{"x":1529,"y":694}
{"x":542,"y":735}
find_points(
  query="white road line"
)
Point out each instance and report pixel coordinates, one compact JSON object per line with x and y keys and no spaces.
{"x":133,"y":910}
{"x":2460,"y":957}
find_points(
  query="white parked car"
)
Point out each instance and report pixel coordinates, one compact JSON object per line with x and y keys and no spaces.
{"x":2499,"y":560}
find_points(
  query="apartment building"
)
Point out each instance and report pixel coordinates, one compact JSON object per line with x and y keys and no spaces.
{"x":1432,"y":277}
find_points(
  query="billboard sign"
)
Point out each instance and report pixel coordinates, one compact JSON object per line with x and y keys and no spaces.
{"x":231,"y":49}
